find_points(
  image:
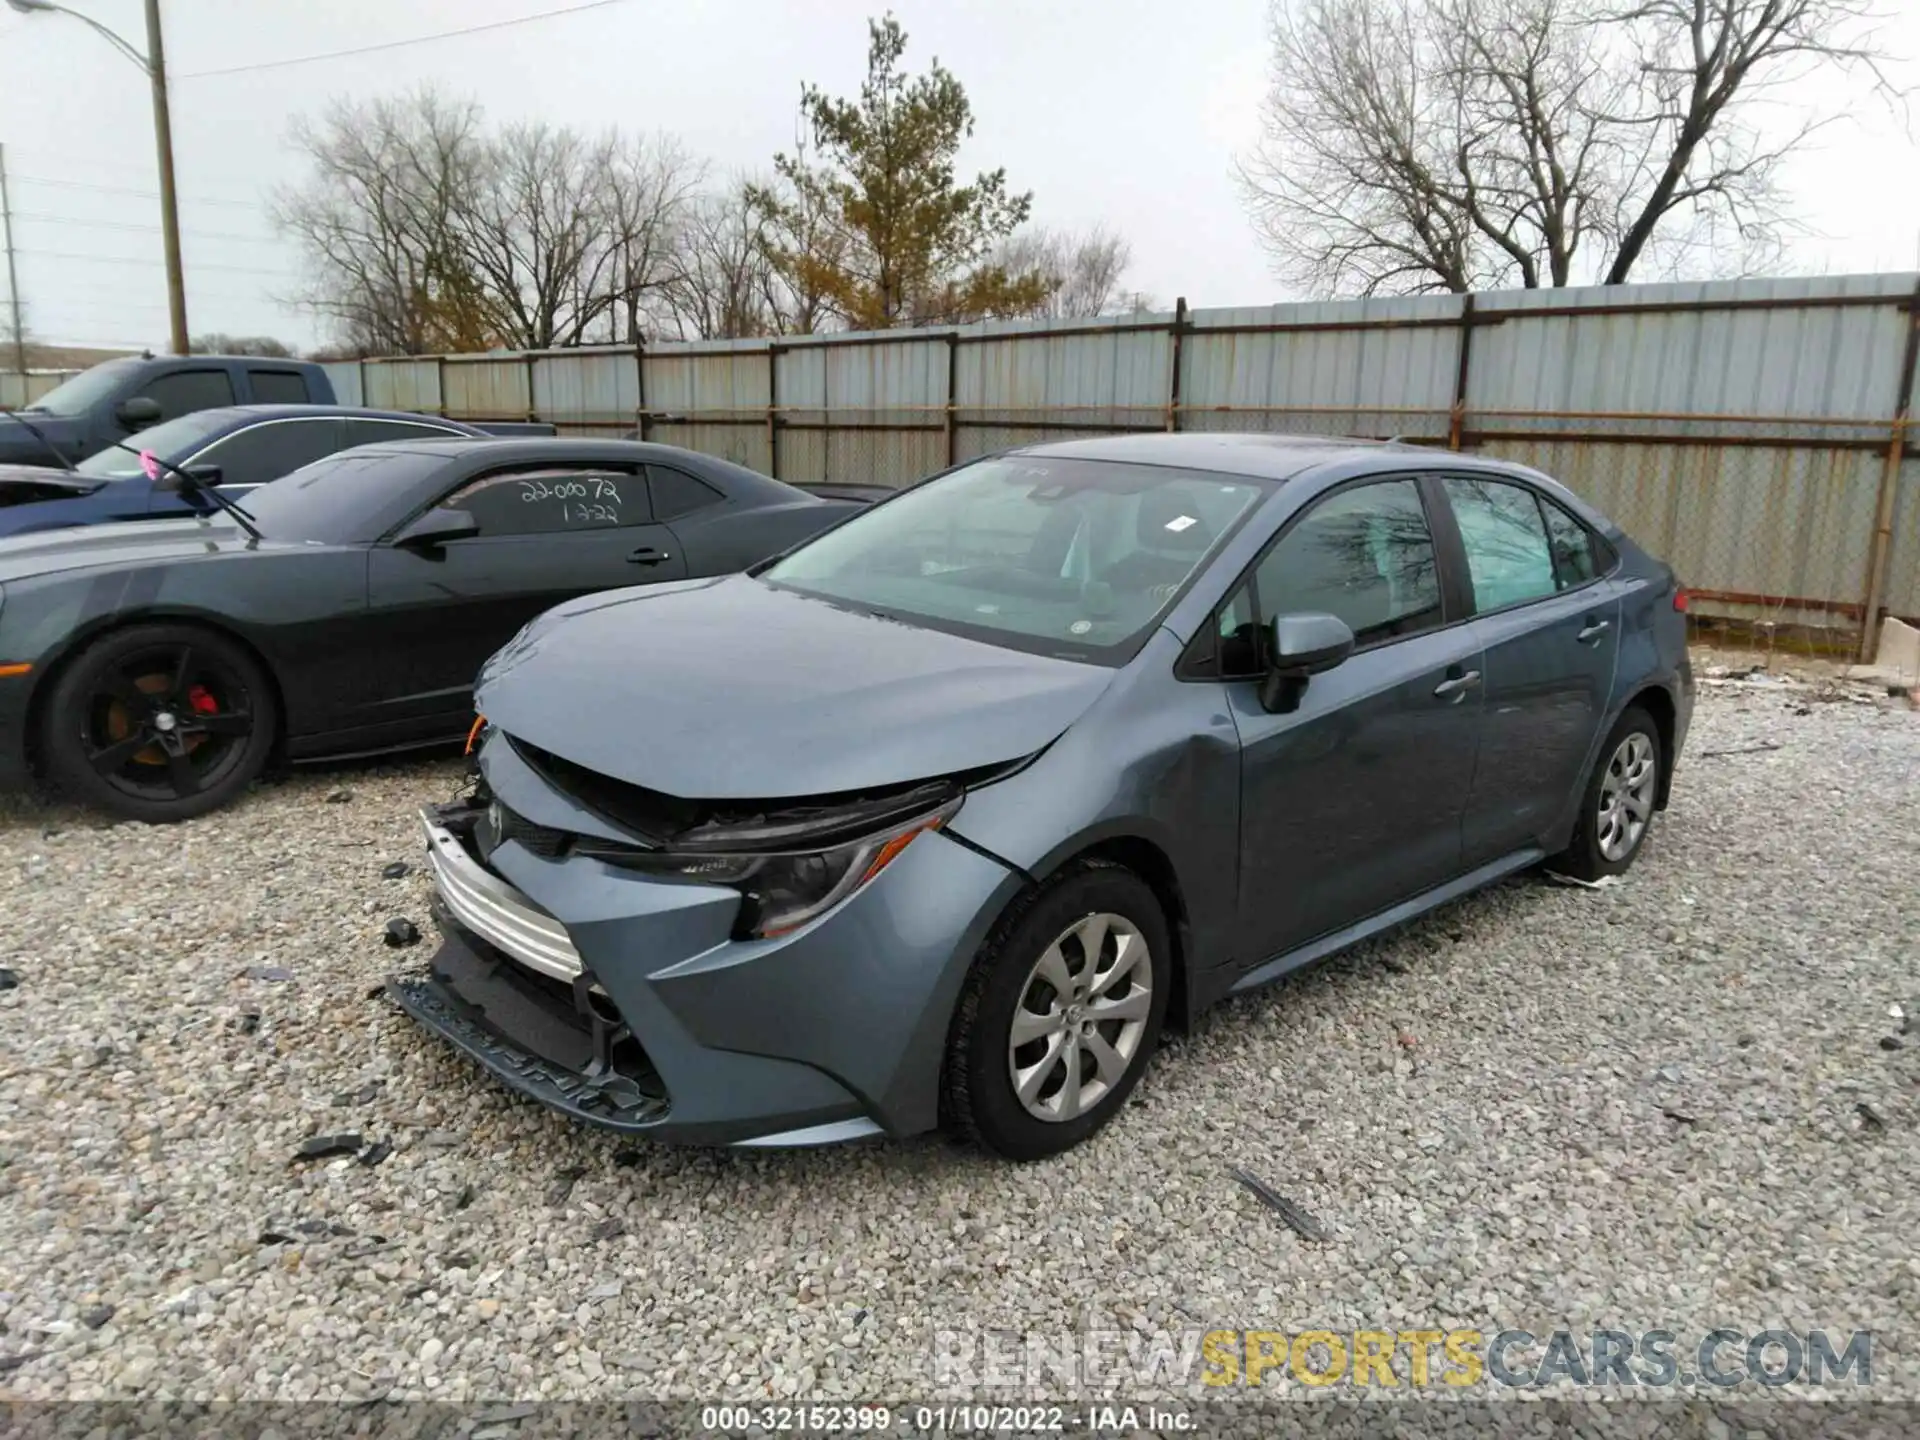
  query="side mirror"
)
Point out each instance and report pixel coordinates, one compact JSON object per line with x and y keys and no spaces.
{"x":437,"y":527}
{"x":137,"y":412}
{"x":1299,"y":647}
{"x":200,"y":477}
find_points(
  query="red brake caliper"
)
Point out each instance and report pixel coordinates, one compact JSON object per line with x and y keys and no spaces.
{"x":202,"y":700}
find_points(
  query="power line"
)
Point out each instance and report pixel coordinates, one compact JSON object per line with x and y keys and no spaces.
{"x":399,"y":44}
{"x":132,"y":225}
{"x":129,"y":190}
{"x":139,"y":260}
{"x":90,"y":163}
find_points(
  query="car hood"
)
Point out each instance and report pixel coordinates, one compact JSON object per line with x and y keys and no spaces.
{"x":131,"y":543}
{"x":20,"y":484}
{"x":732,"y":689}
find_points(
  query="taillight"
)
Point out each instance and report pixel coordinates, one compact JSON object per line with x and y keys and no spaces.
{"x":1680,"y":598}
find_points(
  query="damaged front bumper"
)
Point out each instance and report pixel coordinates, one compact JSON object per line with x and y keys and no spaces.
{"x":640,"y":1014}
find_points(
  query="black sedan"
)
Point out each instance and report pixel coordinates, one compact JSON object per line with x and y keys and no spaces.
{"x":154,"y":669}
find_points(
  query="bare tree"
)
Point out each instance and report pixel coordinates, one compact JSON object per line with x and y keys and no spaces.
{"x":651,"y":187}
{"x":724,"y":285}
{"x":1414,"y":145}
{"x":423,"y":232}
{"x":1082,"y":272}
{"x":376,"y":223}
{"x":219,"y":343}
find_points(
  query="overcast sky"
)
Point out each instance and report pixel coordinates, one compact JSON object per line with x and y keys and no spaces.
{"x":1127,"y":112}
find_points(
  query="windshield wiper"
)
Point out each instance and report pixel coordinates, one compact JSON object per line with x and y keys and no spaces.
{"x":40,"y":435}
{"x":189,"y":480}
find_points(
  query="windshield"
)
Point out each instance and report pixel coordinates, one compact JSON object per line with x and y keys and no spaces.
{"x":83,"y":391}
{"x":176,"y":440}
{"x":1069,"y":557}
{"x":350,"y":498}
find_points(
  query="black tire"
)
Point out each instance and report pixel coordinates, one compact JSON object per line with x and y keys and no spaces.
{"x":199,"y":700}
{"x":1587,"y":856}
{"x":978,"y":1098}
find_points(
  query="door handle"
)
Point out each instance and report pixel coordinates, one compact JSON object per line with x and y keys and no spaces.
{"x":1593,"y":631}
{"x":1454,"y":687}
{"x":647,"y":555}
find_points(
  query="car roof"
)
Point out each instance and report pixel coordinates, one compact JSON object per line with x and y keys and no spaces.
{"x":510,"y":448}
{"x":239,"y":414}
{"x":1263,"y":455}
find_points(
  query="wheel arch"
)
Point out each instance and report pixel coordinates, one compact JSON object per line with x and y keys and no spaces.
{"x":1149,"y":860}
{"x":79,"y":643}
{"x":1658,"y":702}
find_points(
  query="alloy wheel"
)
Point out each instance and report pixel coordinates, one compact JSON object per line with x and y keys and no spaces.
{"x":165,"y":723}
{"x":1626,"y":796}
{"x":1081,"y":1016}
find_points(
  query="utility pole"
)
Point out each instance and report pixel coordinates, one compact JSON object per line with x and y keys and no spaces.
{"x":13,"y":279}
{"x":169,"y":202}
{"x":153,"y":65}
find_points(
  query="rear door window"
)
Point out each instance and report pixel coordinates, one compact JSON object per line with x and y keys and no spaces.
{"x":1504,"y":534}
{"x":365,"y":431}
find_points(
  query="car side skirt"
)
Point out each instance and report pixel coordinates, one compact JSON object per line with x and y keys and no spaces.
{"x":1269,"y":971}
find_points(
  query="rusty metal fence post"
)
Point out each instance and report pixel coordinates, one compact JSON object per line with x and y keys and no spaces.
{"x":1880,"y":552}
{"x":773,"y":410}
{"x":1173,"y":385}
{"x":1457,"y":414}
{"x":640,"y":387}
{"x":953,"y":398}
{"x":440,"y":384}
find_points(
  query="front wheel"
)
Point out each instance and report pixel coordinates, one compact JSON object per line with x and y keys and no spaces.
{"x":158,"y":723}
{"x":1617,"y":807}
{"x":1060,"y":1013}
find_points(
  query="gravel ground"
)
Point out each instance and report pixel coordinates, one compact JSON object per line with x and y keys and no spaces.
{"x":1665,"y":1104}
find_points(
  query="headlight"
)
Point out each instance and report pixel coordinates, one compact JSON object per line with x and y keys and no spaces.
{"x":780,"y":892}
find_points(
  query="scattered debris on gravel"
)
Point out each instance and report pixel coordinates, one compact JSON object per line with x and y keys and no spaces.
{"x":1659,"y":1104}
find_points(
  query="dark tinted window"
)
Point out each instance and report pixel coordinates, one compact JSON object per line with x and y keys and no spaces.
{"x":267,"y":451}
{"x":1505,"y":539}
{"x":1364,"y":554}
{"x":279,"y":387}
{"x":552,"y":501}
{"x":381,"y":432}
{"x":347,"y":498}
{"x":1577,"y":557}
{"x":677,"y":493}
{"x":184,"y":391}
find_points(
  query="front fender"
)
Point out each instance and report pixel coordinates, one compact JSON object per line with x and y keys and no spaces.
{"x":1156,"y":760}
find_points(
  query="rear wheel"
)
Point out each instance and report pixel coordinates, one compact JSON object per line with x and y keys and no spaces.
{"x":158,"y":723}
{"x":1617,"y":809}
{"x":1059,"y":1015}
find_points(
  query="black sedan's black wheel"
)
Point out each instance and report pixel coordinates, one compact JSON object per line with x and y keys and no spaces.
{"x":158,"y":723}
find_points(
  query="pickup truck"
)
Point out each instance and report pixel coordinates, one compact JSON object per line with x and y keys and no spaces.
{"x":115,"y":398}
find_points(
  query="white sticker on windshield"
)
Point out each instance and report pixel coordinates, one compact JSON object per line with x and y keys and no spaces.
{"x":1181,"y":522}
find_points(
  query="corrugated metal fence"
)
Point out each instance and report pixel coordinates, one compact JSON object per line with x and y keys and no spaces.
{"x":1755,"y":432}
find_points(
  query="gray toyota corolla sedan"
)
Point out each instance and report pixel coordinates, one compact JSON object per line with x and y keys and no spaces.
{"x":941,"y":817}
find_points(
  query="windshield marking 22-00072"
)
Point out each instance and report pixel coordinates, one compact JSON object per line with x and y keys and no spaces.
{"x":1077,"y":559}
